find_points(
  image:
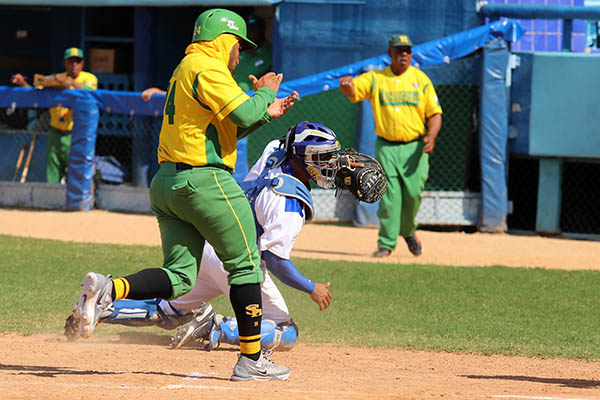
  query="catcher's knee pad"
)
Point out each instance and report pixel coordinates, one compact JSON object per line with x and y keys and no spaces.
{"x":132,"y":313}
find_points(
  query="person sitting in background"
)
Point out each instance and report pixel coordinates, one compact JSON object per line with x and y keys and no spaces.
{"x":61,"y":118}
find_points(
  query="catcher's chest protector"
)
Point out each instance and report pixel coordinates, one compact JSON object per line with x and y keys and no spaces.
{"x":282,"y":184}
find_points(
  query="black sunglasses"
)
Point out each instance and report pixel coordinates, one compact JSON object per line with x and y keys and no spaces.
{"x":407,"y":50}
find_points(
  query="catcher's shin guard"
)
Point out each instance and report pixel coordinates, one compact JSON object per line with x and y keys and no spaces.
{"x":282,"y":337}
{"x":132,"y":313}
{"x":143,"y":313}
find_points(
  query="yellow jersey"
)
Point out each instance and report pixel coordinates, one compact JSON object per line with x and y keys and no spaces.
{"x":61,"y":118}
{"x":401,"y":103}
{"x":202,"y":93}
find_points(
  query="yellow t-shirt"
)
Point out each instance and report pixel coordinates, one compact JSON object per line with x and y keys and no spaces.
{"x":401,"y":103}
{"x":62,"y":117}
{"x":202,"y":93}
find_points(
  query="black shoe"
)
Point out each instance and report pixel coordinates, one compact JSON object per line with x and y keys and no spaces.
{"x":414,"y":245}
{"x":382,"y":252}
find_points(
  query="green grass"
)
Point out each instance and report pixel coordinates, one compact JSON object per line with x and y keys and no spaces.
{"x":491,"y":310}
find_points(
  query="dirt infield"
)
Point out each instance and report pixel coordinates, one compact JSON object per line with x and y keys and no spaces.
{"x":142,"y":367}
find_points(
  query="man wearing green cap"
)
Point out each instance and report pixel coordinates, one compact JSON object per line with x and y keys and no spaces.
{"x":408,"y":118}
{"x":194,"y":196}
{"x":61,"y":118}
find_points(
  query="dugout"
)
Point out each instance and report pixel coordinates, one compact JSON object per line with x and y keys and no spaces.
{"x":550,"y":141}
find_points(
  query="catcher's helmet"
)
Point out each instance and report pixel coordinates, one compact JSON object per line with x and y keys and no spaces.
{"x":313,"y":146}
{"x":212,"y":23}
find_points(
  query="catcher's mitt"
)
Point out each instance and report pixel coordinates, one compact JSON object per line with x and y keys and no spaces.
{"x":361,"y":175}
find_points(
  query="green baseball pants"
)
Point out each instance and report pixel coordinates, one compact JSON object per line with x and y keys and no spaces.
{"x":57,"y":155}
{"x":407,"y":169}
{"x":199,"y":204}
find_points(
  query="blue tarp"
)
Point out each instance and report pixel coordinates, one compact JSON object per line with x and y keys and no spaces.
{"x":540,"y":11}
{"x":427,"y":54}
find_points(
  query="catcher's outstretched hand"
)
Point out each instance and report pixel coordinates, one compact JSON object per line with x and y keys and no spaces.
{"x":321,"y":295}
{"x":361,"y":175}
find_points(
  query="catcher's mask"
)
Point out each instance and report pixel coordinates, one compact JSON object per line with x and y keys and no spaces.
{"x":313,"y":145}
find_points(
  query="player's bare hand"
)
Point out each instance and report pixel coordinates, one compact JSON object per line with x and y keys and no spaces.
{"x":280,"y":106}
{"x":321,"y":295}
{"x":147,"y":94}
{"x":269,"y":80}
{"x":64,"y":80}
{"x":429,"y":144}
{"x":346,"y":86}
{"x":19,"y":80}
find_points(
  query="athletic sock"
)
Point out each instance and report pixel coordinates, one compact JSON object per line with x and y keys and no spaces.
{"x":246,"y":302}
{"x":145,"y":284}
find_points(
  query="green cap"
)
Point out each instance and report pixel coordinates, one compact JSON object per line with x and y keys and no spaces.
{"x":400,"y":40}
{"x":73,"y":52}
{"x":212,"y":23}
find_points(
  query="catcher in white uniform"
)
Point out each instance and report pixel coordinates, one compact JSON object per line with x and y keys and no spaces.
{"x":278,"y":189}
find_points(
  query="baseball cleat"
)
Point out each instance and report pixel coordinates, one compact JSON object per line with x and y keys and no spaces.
{"x":382,"y":252}
{"x":262,"y":369}
{"x":96,"y":296}
{"x":198,"y":328}
{"x":213,"y":336}
{"x":414,"y":245}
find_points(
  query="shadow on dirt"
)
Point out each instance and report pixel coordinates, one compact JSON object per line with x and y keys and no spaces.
{"x":565,"y":382}
{"x":53,"y":372}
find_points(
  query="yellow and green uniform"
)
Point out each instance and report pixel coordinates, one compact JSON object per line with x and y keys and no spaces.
{"x":194,"y":195}
{"x":59,"y":134}
{"x":401,"y":106}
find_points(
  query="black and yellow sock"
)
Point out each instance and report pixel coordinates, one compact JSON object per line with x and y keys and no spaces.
{"x":120,"y":289}
{"x":247,"y":306}
{"x":145,"y":284}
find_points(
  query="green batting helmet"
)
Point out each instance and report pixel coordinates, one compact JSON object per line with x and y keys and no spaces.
{"x":212,"y":23}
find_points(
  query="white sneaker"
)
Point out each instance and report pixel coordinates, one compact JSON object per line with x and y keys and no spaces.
{"x":95,"y":298}
{"x":262,"y":369}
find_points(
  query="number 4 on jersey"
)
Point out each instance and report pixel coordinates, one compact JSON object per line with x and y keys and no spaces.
{"x":170,"y":104}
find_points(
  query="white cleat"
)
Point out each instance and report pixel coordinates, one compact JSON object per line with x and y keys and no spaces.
{"x":95,"y":297}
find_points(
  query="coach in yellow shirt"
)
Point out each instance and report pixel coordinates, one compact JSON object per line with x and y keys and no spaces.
{"x":408,"y":118}
{"x":194,"y":196}
{"x":61,"y":118}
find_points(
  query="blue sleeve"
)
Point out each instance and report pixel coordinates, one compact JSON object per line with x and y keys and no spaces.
{"x":287,"y":272}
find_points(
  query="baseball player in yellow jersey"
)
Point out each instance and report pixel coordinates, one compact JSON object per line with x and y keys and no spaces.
{"x":194,"y":196}
{"x":408,"y":118}
{"x":61,"y":118}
